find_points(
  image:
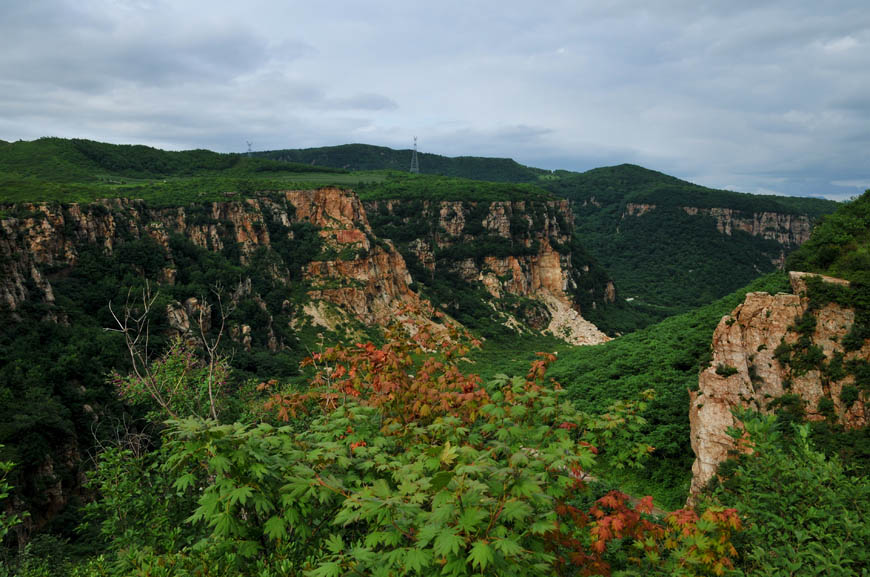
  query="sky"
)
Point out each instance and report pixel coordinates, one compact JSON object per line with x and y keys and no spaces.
{"x":755,"y":96}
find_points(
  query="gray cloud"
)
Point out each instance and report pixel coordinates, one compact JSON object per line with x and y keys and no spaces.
{"x":754,"y":96}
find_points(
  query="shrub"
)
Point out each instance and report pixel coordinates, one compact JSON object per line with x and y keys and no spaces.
{"x":849,"y":395}
{"x":725,"y":370}
{"x":803,"y":514}
{"x":406,"y":465}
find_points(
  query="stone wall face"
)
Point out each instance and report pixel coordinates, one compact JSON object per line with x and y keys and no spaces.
{"x":744,"y":345}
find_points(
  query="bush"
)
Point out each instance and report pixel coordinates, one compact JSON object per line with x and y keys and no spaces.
{"x":803,"y":514}
{"x":725,"y":370}
{"x":848,"y":396}
{"x":401,"y":465}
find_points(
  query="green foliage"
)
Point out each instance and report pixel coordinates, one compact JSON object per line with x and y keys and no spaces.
{"x":803,"y":514}
{"x":437,"y":188}
{"x":178,"y":383}
{"x":725,"y":370}
{"x":54,"y":169}
{"x":7,"y":520}
{"x":366,"y":157}
{"x":632,"y":183}
{"x":826,"y":409}
{"x":840,"y":244}
{"x":848,"y":396}
{"x":468,"y":480}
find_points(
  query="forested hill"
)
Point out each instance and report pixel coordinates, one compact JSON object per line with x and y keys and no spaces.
{"x":368,"y":157}
{"x":76,"y":170}
{"x":632,"y":184}
{"x":673,"y":245}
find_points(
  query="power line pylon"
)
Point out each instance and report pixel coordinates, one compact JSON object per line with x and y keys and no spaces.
{"x":415,"y":162}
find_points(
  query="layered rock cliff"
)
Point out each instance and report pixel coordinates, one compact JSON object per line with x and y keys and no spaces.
{"x":789,"y":230}
{"x":513,"y":249}
{"x":772,"y":346}
{"x":364,"y":277}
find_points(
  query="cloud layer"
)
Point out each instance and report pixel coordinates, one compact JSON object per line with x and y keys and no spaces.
{"x":760,"y":97}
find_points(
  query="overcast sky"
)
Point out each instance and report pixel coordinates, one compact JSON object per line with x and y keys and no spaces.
{"x":749,"y":95}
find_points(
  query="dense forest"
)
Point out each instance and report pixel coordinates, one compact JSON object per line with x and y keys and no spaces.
{"x":429,"y":447}
{"x":362,"y":157}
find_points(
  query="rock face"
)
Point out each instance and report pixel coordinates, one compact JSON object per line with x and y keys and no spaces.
{"x":789,"y":230}
{"x":366,"y":279}
{"x":749,"y":370}
{"x":511,"y":248}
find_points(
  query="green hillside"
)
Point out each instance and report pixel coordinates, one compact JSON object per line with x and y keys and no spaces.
{"x":840,"y":245}
{"x":64,"y":170}
{"x":667,"y":259}
{"x":406,"y":186}
{"x":367,"y":157}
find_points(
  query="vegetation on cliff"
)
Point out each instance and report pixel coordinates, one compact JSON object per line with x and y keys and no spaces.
{"x":804,"y":512}
{"x":839,"y":247}
{"x":801,"y":489}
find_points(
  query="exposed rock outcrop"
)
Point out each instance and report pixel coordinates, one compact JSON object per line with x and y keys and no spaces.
{"x":366,"y":279}
{"x":516,"y":248}
{"x":789,"y":230}
{"x":748,"y":370}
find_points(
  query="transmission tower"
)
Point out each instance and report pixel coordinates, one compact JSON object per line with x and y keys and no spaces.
{"x":415,"y":162}
{"x":249,"y":146}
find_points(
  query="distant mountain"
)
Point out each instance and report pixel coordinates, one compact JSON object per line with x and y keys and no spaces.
{"x":673,"y":245}
{"x":368,"y":157}
{"x":78,"y":160}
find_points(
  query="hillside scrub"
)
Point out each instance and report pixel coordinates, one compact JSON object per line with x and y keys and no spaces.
{"x":803,"y":513}
{"x":392,"y":462}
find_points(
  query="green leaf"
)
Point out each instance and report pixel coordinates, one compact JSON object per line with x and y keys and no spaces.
{"x":448,"y":542}
{"x":329,"y":569}
{"x":544,"y":526}
{"x":184,"y":481}
{"x":471,"y":518}
{"x":219,"y":464}
{"x":334,"y":544}
{"x":515,"y":510}
{"x":416,"y":559}
{"x":240,"y":495}
{"x":481,"y":555}
{"x":440,"y":480}
{"x":275,"y":528}
{"x":448,"y":454}
{"x":426,"y":534}
{"x":508,"y":546}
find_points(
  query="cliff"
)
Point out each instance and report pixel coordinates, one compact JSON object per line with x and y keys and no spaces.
{"x":772,"y":347}
{"x":518,"y":252}
{"x":787,"y":229}
{"x":365,"y":278}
